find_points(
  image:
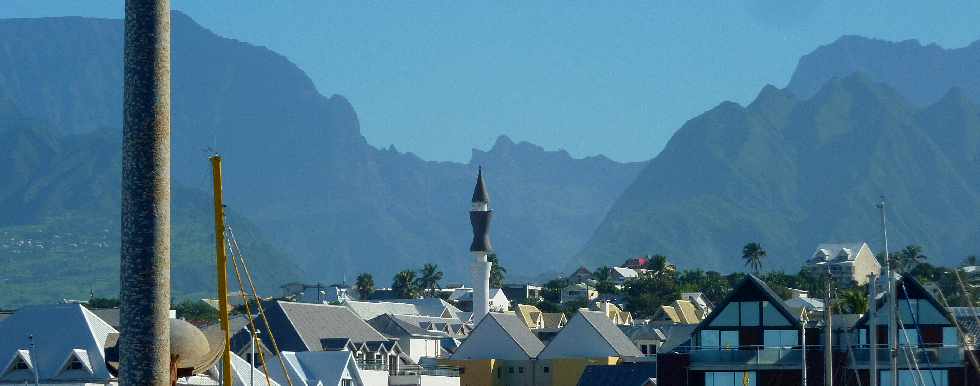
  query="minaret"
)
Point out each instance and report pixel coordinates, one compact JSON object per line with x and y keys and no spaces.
{"x":480,"y":215}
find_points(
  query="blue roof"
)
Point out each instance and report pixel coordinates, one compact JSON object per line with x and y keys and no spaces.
{"x":625,"y":374}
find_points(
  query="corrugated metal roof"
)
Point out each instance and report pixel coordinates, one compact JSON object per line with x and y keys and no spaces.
{"x":625,"y":374}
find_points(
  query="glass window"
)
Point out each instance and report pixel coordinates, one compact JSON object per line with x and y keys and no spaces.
{"x":908,"y":337}
{"x":906,"y":309}
{"x":950,"y":337}
{"x":910,"y":378}
{"x":772,"y":317}
{"x":546,"y":369}
{"x":928,"y":314}
{"x":750,"y":313}
{"x":728,"y":316}
{"x":863,"y":337}
{"x":726,"y":378}
{"x":780,"y":338}
{"x":729,"y":339}
{"x":709,"y":339}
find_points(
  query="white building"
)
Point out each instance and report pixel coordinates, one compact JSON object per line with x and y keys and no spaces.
{"x":846,"y":262}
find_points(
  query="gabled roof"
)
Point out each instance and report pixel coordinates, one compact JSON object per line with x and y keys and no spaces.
{"x":370,"y":310}
{"x":590,"y":334}
{"x":624,"y":272}
{"x":745,"y":286}
{"x":668,"y":313}
{"x":241,"y":369}
{"x":686,"y":311}
{"x":319,"y":368}
{"x":428,"y":307}
{"x":623,"y":374}
{"x":493,"y":335}
{"x":907,"y":287}
{"x":554,"y":320}
{"x":58,"y":331}
{"x":836,"y":252}
{"x":643,"y":332}
{"x":678,"y":337}
{"x":395,"y":328}
{"x":302,"y":326}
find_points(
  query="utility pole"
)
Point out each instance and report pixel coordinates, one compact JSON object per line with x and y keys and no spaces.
{"x":892,"y":327}
{"x":872,"y":331}
{"x":221,"y":266}
{"x":144,"y":345}
{"x":828,"y":352}
{"x":33,"y":355}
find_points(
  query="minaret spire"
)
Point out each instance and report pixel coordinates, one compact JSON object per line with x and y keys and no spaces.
{"x":480,"y":247}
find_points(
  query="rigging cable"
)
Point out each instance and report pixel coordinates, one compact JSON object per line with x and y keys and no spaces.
{"x":265,"y":319}
{"x":248,"y":313}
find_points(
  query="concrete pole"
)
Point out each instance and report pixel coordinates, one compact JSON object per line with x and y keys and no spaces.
{"x":144,"y":346}
{"x":872,"y":331}
{"x":828,"y":344}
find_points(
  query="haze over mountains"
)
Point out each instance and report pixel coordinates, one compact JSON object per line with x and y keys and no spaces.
{"x":796,"y":167}
{"x":296,"y":163}
{"x":791,"y":171}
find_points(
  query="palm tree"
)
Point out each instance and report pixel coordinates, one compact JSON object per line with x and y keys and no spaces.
{"x":364,"y":285}
{"x":659,"y":266}
{"x":852,"y":301}
{"x":403,"y":285}
{"x":429,"y":279}
{"x":601,"y":274}
{"x":753,"y":254}
{"x":909,"y":257}
{"x":969,"y":261}
{"x":497,"y":272}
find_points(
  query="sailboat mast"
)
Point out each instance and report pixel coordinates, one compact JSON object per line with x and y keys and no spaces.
{"x":890,"y":276}
{"x":872,"y":331}
{"x":222,"y":269}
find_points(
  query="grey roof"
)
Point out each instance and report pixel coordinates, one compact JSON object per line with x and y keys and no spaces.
{"x":644,"y":332}
{"x":302,"y":326}
{"x":458,"y":328}
{"x":480,"y":190}
{"x":612,"y":334}
{"x":750,"y":279}
{"x":428,"y":306}
{"x":836,"y":252}
{"x":395,"y":328}
{"x":624,"y":374}
{"x":371,"y":310}
{"x":59,"y":331}
{"x":678,"y":337}
{"x":519,"y":332}
{"x":109,"y":315}
{"x":967,"y":318}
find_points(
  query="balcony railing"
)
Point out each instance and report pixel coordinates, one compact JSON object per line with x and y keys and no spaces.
{"x":748,"y":357}
{"x":935,"y":355}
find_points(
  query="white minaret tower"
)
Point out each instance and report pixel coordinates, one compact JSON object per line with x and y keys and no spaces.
{"x":480,"y":215}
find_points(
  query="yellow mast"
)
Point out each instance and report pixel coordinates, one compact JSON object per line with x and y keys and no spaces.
{"x":222,"y":268}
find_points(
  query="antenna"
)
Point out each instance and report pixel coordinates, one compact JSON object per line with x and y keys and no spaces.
{"x":890,"y":276}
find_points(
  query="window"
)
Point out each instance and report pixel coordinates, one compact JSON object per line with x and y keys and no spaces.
{"x":75,"y":364}
{"x":520,"y":370}
{"x":750,"y":313}
{"x":499,"y":372}
{"x":346,"y":382}
{"x":908,"y":337}
{"x":729,"y":339}
{"x":736,"y":378}
{"x":21,"y":365}
{"x":643,"y":349}
{"x":950,"y":337}
{"x":772,"y":317}
{"x":911,"y":378}
{"x":510,"y":370}
{"x":780,"y":338}
{"x":906,"y":308}
{"x":710,"y":339}
{"x":728,"y":316}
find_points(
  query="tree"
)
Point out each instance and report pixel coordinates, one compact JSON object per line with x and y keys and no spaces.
{"x":601,"y":274}
{"x":852,"y":301}
{"x":364,"y":285}
{"x":907,"y":258}
{"x":659,"y":266}
{"x":196,"y":311}
{"x":403,"y":285}
{"x":753,"y":254}
{"x":429,"y":278}
{"x":969,"y":261}
{"x":96,"y":302}
{"x":497,"y":271}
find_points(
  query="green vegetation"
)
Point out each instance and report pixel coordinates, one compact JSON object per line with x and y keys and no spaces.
{"x":428,"y":279}
{"x":497,"y":271}
{"x":364,"y":285}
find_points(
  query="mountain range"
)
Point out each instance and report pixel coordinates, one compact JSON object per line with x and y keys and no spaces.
{"x":296,"y":164}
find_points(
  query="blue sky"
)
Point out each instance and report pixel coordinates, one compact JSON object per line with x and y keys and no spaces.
{"x":438,"y":78}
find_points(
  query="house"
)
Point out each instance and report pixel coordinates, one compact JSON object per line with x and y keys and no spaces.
{"x":636,"y":262}
{"x":623,"y":374}
{"x":678,"y":312}
{"x":498,"y":300}
{"x":59,"y":343}
{"x":325,"y":295}
{"x":371,"y":310}
{"x":927,"y":332}
{"x":645,"y":337}
{"x":620,"y":275}
{"x":518,"y":293}
{"x":614,"y":313}
{"x":435,"y":307}
{"x":305,"y":327}
{"x":543,"y":324}
{"x":414,"y":340}
{"x":333,"y":368}
{"x":581,"y":275}
{"x":499,"y":351}
{"x":743,"y":340}
{"x":702,"y":306}
{"x":589,"y":338}
{"x":579,"y":292}
{"x":800,"y":300}
{"x":847,"y":262}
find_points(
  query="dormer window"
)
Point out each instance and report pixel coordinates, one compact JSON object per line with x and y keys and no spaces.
{"x":21,"y":362}
{"x":77,"y":361}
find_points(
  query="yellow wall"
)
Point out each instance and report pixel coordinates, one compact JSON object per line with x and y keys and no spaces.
{"x":475,"y":372}
{"x":566,"y":372}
